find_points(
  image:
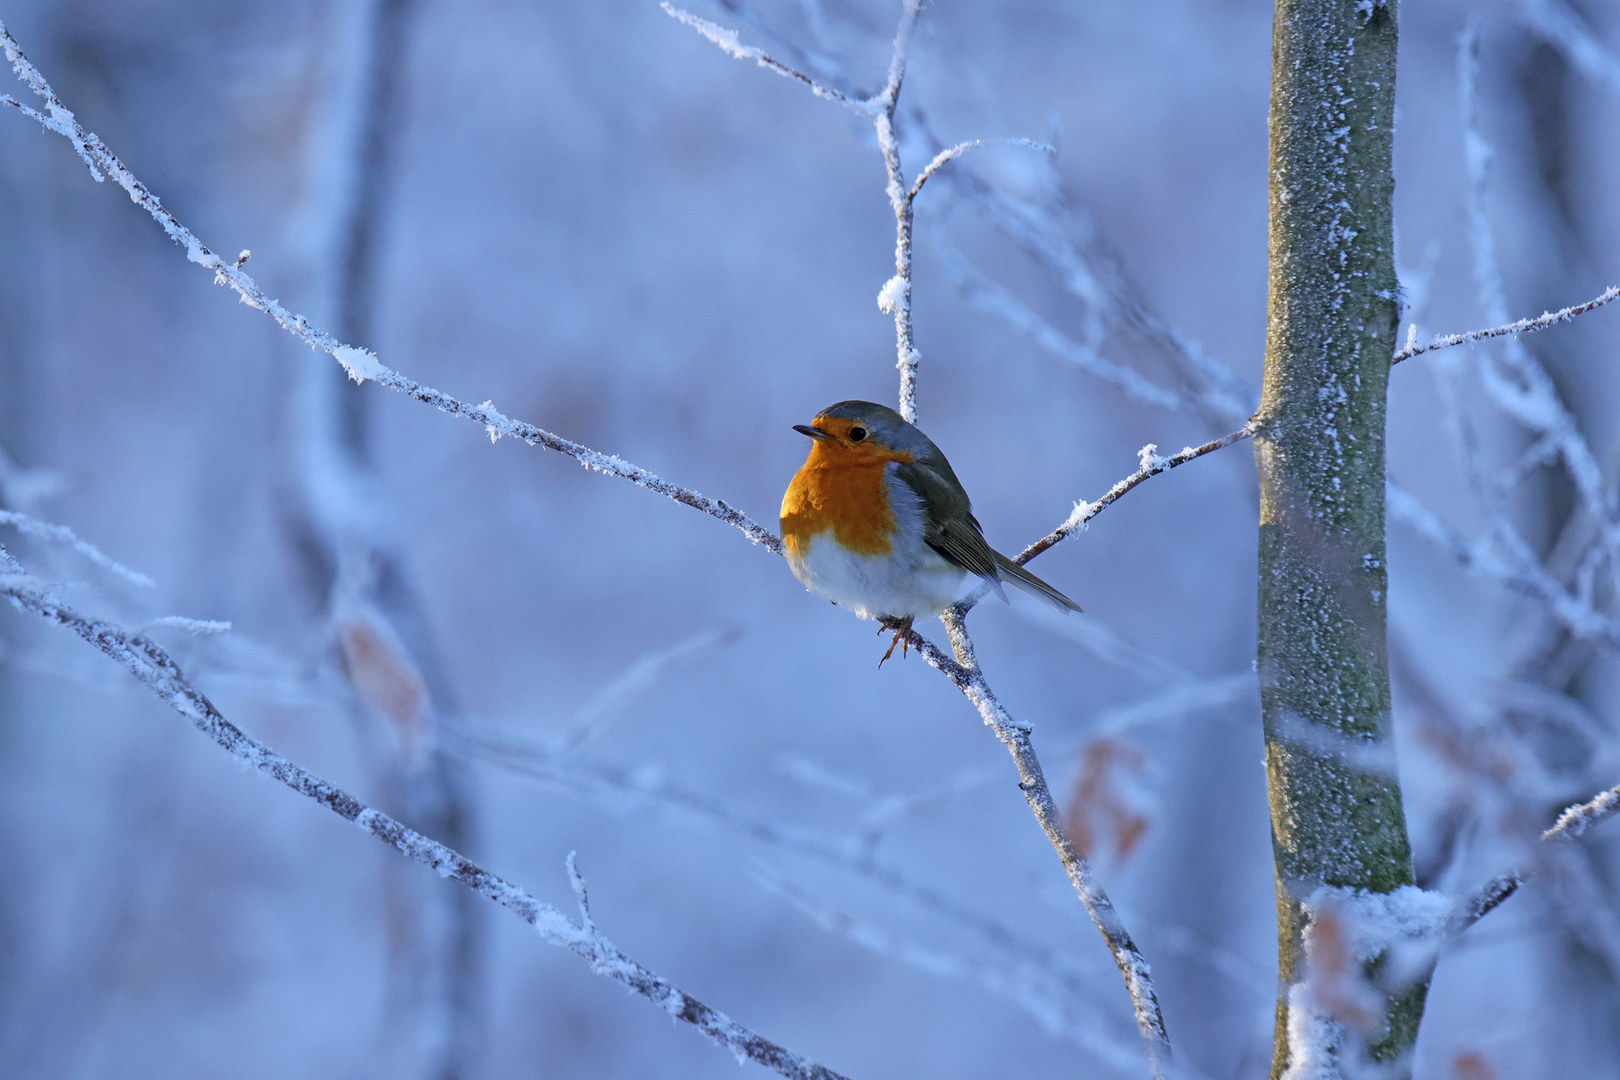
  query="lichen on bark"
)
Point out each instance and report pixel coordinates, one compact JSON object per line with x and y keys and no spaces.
{"x":1331,"y":322}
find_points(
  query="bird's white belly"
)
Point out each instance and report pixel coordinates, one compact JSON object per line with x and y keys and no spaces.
{"x":911,"y":579}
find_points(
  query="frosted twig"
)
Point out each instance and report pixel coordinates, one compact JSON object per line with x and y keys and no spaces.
{"x":1564,"y":30}
{"x":951,"y":153}
{"x":1151,"y":465}
{"x":732,"y":46}
{"x":360,"y":364}
{"x":152,"y":665}
{"x":965,"y":675}
{"x":196,"y":627}
{"x":64,"y":535}
{"x":1513,"y":329}
{"x":1576,"y":819}
{"x":1573,"y":822}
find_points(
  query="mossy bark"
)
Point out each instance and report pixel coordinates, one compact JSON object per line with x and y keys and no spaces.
{"x":1332,"y":316}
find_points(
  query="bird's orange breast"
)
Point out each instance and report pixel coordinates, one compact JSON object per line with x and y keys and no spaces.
{"x":842,"y":490}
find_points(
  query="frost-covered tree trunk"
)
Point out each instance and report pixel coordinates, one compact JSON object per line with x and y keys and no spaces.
{"x":1336,"y":810}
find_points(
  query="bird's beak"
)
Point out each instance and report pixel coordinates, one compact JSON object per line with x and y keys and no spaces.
{"x":814,"y":432}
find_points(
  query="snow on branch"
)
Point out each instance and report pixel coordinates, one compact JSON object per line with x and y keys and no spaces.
{"x":1513,"y":329}
{"x":61,"y":534}
{"x":1151,"y":465}
{"x":1578,"y":818}
{"x":729,"y":43}
{"x":153,"y":666}
{"x":951,"y":153}
{"x":964,"y":672}
{"x":359,"y":363}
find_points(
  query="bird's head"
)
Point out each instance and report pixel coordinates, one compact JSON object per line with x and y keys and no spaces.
{"x":864,"y":430}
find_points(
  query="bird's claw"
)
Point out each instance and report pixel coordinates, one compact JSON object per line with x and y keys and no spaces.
{"x":902,"y":637}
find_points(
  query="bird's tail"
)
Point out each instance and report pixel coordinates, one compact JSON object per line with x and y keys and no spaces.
{"x":1017,"y":576}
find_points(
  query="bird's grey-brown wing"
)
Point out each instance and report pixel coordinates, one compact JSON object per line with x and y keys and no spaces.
{"x":955,"y":534}
{"x":951,"y":528}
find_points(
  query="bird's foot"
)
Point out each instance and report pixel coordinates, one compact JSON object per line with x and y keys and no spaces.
{"x":902,"y":635}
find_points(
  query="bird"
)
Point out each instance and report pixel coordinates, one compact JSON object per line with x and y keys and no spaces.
{"x":876,"y":521}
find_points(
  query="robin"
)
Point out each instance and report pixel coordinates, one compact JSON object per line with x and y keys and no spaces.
{"x":875,"y":520}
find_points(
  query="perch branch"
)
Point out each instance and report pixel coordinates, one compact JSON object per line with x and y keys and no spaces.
{"x":964,"y":673}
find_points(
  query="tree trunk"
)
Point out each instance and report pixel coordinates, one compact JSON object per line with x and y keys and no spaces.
{"x":1336,"y":813}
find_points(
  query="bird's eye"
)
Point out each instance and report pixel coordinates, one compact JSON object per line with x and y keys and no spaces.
{"x":856,"y":434}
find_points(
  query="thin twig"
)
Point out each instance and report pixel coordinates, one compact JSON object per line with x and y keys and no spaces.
{"x":149,"y":663}
{"x":1523,"y":326}
{"x":1577,"y":819}
{"x":732,"y":46}
{"x":360,"y":364}
{"x":1151,"y":465}
{"x":64,"y":535}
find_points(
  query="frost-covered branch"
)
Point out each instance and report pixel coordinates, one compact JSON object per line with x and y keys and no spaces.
{"x":360,"y":364}
{"x":1151,"y":465}
{"x":61,"y":534}
{"x":964,"y":673}
{"x":1512,"y":329}
{"x":149,"y":663}
{"x":1577,"y":819}
{"x":732,"y":46}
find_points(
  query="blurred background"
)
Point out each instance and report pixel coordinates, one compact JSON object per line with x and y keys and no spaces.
{"x":594,"y":218}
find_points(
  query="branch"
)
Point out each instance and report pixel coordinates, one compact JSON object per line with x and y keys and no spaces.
{"x":1514,"y":329}
{"x":951,"y":153}
{"x":965,"y":675}
{"x":360,"y":364}
{"x":152,"y":665}
{"x":1577,"y":819}
{"x":64,"y":535}
{"x":729,"y":43}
